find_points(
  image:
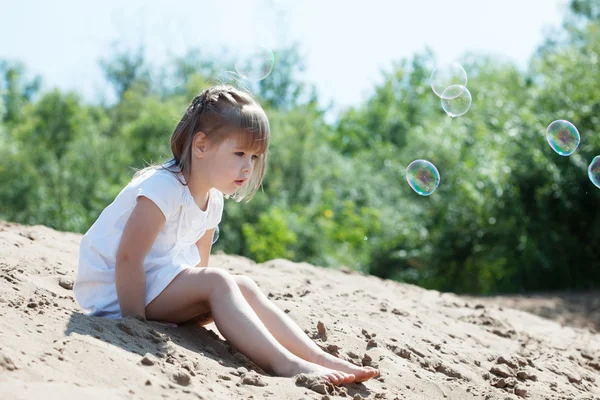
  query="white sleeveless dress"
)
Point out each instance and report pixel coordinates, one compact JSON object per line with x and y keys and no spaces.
{"x":173,"y":251}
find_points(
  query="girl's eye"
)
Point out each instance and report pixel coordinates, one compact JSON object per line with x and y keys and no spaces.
{"x":241,"y":154}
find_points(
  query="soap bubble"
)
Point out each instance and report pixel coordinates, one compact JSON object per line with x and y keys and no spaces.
{"x":255,"y":64}
{"x":446,"y":76}
{"x":594,"y":171}
{"x":215,"y":235}
{"x":456,"y":100}
{"x":423,"y":177}
{"x":563,"y":137}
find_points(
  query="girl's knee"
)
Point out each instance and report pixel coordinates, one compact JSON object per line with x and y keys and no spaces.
{"x":220,"y":278}
{"x":247,"y":285}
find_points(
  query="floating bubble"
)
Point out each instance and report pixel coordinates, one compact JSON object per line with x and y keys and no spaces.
{"x":423,"y":177}
{"x":563,"y":137}
{"x":456,"y":100}
{"x":255,"y":64}
{"x":215,"y":235}
{"x":594,"y":171}
{"x":446,"y":76}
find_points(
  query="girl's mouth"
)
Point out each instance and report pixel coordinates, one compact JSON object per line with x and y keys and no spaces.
{"x":240,"y":182}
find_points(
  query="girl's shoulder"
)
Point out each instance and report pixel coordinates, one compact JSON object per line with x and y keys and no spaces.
{"x":163,"y":187}
{"x":159,"y":174}
{"x":216,"y":200}
{"x":216,"y":195}
{"x":162,"y":179}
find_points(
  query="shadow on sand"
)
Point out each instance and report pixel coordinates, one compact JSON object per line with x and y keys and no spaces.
{"x":162,"y":341}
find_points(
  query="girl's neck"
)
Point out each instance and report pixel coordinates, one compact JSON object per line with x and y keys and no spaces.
{"x":200,"y":192}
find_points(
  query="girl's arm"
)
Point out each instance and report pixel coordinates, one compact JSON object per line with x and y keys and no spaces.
{"x":139,"y":234}
{"x":204,"y":245}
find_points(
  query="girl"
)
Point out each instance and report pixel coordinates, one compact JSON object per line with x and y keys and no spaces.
{"x":147,"y":254}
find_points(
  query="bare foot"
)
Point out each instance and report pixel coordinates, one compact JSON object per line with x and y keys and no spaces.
{"x":361,"y":374}
{"x":305,"y":367}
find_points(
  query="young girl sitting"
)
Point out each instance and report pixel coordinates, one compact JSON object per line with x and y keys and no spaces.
{"x":147,"y":254}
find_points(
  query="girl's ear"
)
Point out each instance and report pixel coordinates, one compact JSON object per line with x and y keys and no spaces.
{"x":199,"y":144}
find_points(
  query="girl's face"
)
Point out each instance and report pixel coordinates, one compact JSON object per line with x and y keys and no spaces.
{"x":228,"y":166}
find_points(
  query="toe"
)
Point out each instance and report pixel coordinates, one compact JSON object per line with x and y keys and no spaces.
{"x":333,"y":378}
{"x":349,"y":378}
{"x":340,"y":376}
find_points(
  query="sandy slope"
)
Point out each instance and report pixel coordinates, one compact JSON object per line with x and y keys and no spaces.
{"x":428,"y":345}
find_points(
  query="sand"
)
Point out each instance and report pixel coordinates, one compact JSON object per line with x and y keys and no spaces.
{"x":427,"y":344}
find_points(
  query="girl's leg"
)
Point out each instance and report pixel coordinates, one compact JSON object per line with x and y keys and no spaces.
{"x":289,"y":334}
{"x":203,"y":319}
{"x":186,"y":297}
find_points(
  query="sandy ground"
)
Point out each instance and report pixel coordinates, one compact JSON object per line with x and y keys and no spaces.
{"x":428,"y":345}
{"x":581,"y":310}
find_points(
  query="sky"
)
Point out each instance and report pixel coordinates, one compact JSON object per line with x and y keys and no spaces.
{"x":346,"y":44}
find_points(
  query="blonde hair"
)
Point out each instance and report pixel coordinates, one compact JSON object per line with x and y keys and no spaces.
{"x":222,"y":112}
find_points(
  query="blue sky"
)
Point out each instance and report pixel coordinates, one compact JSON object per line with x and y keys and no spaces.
{"x":346,"y":43}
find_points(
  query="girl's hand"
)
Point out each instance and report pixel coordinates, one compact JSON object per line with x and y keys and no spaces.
{"x":165,"y":323}
{"x":140,"y":318}
{"x":161,"y":323}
